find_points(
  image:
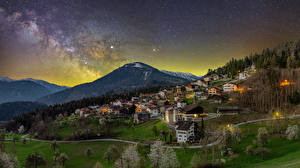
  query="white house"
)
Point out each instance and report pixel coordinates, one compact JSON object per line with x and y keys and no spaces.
{"x":229,"y":87}
{"x":242,"y":75}
{"x":199,"y":83}
{"x":176,"y":98}
{"x":153,"y":111}
{"x":216,"y":77}
{"x":198,"y":94}
{"x":184,"y":131}
{"x":162,"y":94}
{"x":117,"y":103}
{"x":181,"y":104}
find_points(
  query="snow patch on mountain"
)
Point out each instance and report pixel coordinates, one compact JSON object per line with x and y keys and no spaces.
{"x":183,"y":75}
{"x":146,"y":75}
{"x":135,"y":65}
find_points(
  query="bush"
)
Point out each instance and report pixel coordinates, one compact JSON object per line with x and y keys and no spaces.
{"x":292,"y":132}
{"x":88,"y":152}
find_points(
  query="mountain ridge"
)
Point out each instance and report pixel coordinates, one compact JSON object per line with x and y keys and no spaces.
{"x":126,"y":78}
{"x":25,"y":89}
{"x":188,"y":76}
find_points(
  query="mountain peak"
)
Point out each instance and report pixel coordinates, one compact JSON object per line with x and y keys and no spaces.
{"x":5,"y":79}
{"x":138,"y":65}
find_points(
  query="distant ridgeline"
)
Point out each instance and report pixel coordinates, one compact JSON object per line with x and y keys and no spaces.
{"x":285,"y":55}
{"x":13,"y":109}
{"x":49,"y":113}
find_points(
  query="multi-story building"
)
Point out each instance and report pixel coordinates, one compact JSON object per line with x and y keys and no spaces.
{"x":185,"y":130}
{"x":229,"y":87}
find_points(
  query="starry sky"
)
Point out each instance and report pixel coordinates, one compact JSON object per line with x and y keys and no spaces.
{"x":69,"y":42}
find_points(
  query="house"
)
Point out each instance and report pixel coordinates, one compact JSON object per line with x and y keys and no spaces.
{"x":83,"y":112}
{"x":181,"y":104}
{"x":162,"y":94}
{"x":170,"y":115}
{"x":178,"y":89}
{"x":204,"y":96}
{"x":117,"y":103}
{"x":229,"y":87}
{"x":153,"y":110}
{"x":115,"y":109}
{"x":105,"y":109}
{"x":135,"y":99}
{"x":228,"y":110}
{"x":200,"y":83}
{"x":216,"y":77}
{"x":141,"y":117}
{"x":242,"y":75}
{"x":140,"y":108}
{"x":214,"y":91}
{"x":207,"y":79}
{"x":189,"y":88}
{"x":198,"y":94}
{"x":185,"y":130}
{"x":190,"y":113}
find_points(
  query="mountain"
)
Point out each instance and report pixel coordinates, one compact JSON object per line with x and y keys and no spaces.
{"x":25,"y":89}
{"x":12,"y":109}
{"x":183,"y":75}
{"x":5,"y":79}
{"x":128,"y":77}
{"x":51,"y":87}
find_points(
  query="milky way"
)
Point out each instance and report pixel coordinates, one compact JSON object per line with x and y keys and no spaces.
{"x":75,"y":41}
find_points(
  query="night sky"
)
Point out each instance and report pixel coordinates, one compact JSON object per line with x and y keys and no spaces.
{"x":69,"y":42}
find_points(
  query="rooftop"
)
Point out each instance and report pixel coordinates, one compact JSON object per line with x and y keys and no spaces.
{"x":184,"y":125}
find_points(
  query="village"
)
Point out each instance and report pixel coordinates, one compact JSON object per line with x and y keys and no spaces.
{"x":179,"y":107}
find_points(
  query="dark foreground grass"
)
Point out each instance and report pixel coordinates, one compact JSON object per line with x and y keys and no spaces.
{"x":284,"y":153}
{"x":140,"y":132}
{"x":75,"y":151}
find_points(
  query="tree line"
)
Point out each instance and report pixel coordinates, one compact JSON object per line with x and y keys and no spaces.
{"x":285,"y":55}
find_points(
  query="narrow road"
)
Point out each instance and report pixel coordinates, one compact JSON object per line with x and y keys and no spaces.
{"x":166,"y":146}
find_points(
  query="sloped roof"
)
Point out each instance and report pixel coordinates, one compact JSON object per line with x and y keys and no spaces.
{"x":192,"y":109}
{"x":184,"y":125}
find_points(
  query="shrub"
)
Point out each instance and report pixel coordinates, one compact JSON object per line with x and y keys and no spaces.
{"x":88,"y":152}
{"x":262,"y":136}
{"x":292,"y":132}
